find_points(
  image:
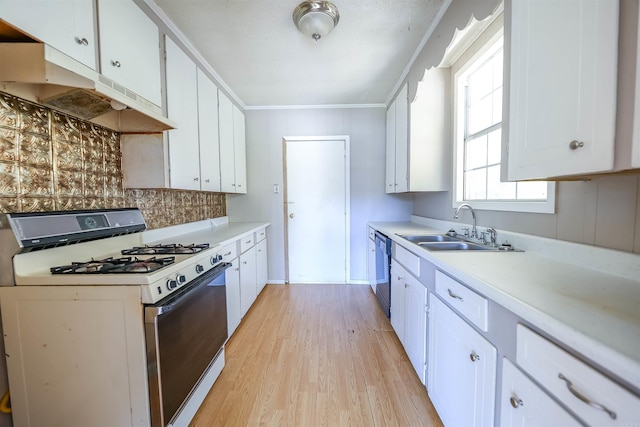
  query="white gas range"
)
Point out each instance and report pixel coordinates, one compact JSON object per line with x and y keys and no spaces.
{"x":119,"y":338}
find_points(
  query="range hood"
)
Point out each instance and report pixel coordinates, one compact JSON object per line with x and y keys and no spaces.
{"x":65,"y":84}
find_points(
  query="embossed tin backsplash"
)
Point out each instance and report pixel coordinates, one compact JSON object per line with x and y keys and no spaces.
{"x":52,"y":161}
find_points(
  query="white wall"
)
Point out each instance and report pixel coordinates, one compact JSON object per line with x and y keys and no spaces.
{"x":366,"y":128}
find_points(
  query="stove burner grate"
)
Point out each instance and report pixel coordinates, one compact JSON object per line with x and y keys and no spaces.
{"x":171,"y":248}
{"x":114,"y":265}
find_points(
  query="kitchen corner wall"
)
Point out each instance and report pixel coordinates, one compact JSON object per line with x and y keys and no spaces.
{"x":52,"y":161}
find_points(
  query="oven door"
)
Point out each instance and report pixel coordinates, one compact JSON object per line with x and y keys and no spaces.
{"x":184,"y":334}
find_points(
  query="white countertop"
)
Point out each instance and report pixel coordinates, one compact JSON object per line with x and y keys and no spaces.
{"x":595,"y":313}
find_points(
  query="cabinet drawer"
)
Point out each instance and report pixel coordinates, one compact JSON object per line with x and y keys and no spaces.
{"x":229,"y":252}
{"x":471,"y":305}
{"x":246,"y":243}
{"x":261,"y":235}
{"x":573,"y":382}
{"x":410,"y":261}
{"x":523,"y":403}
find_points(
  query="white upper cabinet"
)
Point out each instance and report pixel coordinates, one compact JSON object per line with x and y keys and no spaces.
{"x":66,"y":25}
{"x":429,"y":124}
{"x":227,"y":156}
{"x":397,"y":143}
{"x":208,"y":134}
{"x":233,"y":168}
{"x":182,"y":107}
{"x":390,"y":174}
{"x":402,"y":140}
{"x":563,"y":80}
{"x":417,"y":136}
{"x":130,"y":48}
{"x":239,"y":150}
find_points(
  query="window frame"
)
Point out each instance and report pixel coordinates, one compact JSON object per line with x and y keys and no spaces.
{"x":463,"y":65}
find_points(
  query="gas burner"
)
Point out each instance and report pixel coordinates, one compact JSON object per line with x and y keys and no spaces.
{"x":114,"y":265}
{"x":167,"y":248}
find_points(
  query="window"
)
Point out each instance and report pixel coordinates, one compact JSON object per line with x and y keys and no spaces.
{"x":478,"y":100}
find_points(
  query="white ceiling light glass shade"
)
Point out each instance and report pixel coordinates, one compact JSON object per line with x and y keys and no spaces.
{"x":316,"y":18}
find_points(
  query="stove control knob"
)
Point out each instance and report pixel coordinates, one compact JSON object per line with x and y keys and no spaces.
{"x":181,"y":279}
{"x":215,"y":259}
{"x":171,"y":284}
{"x":199,"y":268}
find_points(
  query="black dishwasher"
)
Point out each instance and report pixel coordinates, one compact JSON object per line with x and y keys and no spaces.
{"x":383,"y":265}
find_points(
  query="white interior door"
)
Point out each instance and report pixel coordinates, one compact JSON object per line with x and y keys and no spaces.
{"x":316,"y":209}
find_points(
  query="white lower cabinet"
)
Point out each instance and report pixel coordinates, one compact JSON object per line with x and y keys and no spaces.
{"x":234,"y":313}
{"x":247,"y":279}
{"x":462,"y":369}
{"x":589,"y":394}
{"x":524,"y":404}
{"x":262,"y":274}
{"x":409,"y":316}
{"x":371,"y":264}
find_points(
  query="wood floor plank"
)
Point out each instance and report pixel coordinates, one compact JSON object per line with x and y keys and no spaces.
{"x":316,"y":355}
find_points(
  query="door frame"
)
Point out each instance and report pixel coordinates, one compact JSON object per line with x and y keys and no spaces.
{"x":347,"y":193}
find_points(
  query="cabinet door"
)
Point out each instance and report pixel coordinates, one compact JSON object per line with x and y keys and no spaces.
{"x":371,"y":264}
{"x":462,"y":369}
{"x":227,"y":156}
{"x":130,"y":48}
{"x":239,"y":150}
{"x":67,"y":25}
{"x":524,"y":404}
{"x":562,"y":87}
{"x":390,"y":170}
{"x":247,"y":279}
{"x":182,"y":107}
{"x":402,"y":141}
{"x":262,"y":274}
{"x":208,"y":134}
{"x":416,"y":325}
{"x":234,"y":311}
{"x":397,"y":299}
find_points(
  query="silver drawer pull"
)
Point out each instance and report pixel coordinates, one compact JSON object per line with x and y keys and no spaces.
{"x":228,"y":253}
{"x":452,"y":295}
{"x":516,"y":401}
{"x":585,"y":399}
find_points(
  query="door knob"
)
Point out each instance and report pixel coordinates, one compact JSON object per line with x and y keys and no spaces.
{"x":291,"y":215}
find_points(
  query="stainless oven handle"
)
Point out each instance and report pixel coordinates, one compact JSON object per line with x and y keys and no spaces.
{"x":152,"y":312}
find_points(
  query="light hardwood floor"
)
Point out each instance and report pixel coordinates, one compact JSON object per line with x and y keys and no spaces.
{"x":316,"y":355}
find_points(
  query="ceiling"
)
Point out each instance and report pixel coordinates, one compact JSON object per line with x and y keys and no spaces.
{"x":256,"y":49}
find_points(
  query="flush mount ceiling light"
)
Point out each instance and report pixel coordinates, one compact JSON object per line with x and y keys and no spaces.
{"x":316,"y":18}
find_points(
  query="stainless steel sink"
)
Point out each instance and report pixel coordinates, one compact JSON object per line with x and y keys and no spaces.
{"x":455,"y":246}
{"x":430,"y":238}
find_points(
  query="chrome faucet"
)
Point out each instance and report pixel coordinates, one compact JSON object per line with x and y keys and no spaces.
{"x":474,"y":230}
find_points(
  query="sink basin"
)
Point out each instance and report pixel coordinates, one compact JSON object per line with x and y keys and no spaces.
{"x":454,"y":246}
{"x":430,"y":238}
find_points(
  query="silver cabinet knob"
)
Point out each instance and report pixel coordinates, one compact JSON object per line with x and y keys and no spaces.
{"x":196,"y":179}
{"x":207,"y":180}
{"x":515,"y":401}
{"x":115,"y":63}
{"x":83,"y":41}
{"x":474,"y":356}
{"x":291,"y":215}
{"x":574,"y":145}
